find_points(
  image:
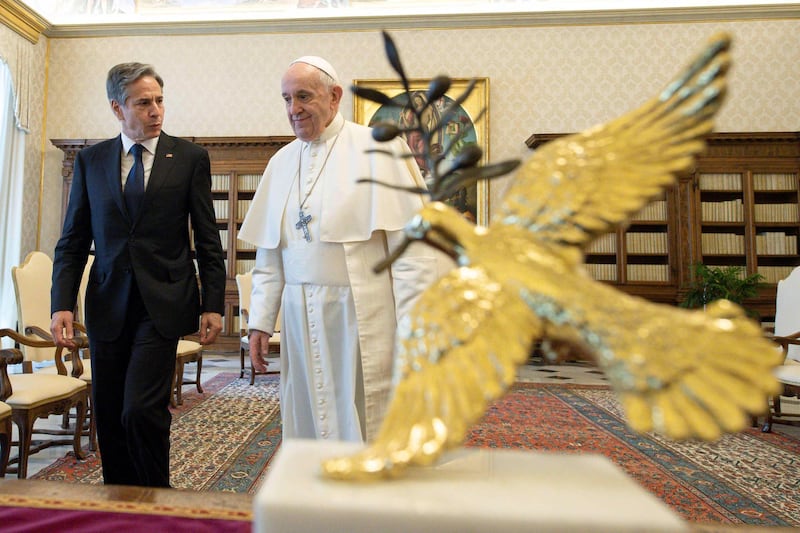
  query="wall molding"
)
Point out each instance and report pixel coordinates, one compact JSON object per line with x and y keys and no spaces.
{"x":22,"y":19}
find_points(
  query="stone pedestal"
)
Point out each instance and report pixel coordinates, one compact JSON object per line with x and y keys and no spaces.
{"x":469,"y":490}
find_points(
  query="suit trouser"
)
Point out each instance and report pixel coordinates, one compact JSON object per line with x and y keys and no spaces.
{"x":131,"y":387}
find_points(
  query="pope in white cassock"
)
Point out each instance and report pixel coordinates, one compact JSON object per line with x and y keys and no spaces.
{"x":318,"y":234}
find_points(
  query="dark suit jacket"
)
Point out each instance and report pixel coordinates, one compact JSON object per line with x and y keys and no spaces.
{"x":155,"y":248}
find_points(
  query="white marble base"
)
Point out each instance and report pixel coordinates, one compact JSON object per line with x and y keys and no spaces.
{"x":470,"y":490}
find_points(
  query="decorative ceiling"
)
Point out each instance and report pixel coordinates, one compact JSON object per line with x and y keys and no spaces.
{"x":59,"y":12}
{"x":75,"y":18}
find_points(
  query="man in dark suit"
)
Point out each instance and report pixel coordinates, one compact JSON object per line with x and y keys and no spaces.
{"x":135,"y":196}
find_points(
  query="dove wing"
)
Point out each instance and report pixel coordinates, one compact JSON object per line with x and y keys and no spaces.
{"x":459,"y":351}
{"x":684,"y":374}
{"x":578,"y":187}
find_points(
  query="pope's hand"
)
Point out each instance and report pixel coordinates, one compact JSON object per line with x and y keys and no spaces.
{"x":259,"y":347}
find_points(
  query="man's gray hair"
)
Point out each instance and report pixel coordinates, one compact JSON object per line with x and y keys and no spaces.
{"x":122,"y":75}
{"x":327,"y":81}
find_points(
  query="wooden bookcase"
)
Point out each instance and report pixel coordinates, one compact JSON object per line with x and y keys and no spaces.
{"x":738,"y":206}
{"x":237,"y":164}
{"x":696,"y":220}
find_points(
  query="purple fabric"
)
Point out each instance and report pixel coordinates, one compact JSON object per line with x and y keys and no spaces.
{"x":32,"y":520}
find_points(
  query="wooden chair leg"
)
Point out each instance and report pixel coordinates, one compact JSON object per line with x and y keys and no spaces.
{"x":177,"y":384}
{"x":80,"y":416}
{"x":199,"y":371}
{"x":25,"y":433}
{"x":5,"y":446}
{"x":241,"y":360}
{"x":776,"y":405}
{"x":92,"y":424}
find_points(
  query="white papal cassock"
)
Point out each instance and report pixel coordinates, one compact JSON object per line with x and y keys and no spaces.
{"x":339,"y":317}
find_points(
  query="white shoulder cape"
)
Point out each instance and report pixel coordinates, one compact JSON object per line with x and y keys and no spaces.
{"x":351,"y":211}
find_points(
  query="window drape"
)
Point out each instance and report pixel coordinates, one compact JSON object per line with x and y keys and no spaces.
{"x":12,"y":166}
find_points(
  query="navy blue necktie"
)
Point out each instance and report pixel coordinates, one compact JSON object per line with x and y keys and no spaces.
{"x":134,"y":187}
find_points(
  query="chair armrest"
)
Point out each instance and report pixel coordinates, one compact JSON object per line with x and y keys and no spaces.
{"x":786,"y":340}
{"x":81,"y":342}
{"x":39,"y":332}
{"x":8,"y":356}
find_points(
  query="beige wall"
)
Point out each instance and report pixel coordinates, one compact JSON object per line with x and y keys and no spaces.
{"x":542,"y":79}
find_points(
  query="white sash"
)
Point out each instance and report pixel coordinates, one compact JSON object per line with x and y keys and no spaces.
{"x":315,"y":263}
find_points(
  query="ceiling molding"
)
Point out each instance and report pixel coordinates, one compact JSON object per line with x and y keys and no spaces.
{"x":443,"y":21}
{"x":22,"y":19}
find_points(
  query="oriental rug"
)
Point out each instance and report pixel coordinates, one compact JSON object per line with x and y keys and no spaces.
{"x":222,"y":439}
{"x":746,"y":478}
{"x":226,"y":440}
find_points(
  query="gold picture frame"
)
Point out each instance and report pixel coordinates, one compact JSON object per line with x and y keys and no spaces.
{"x":368,"y":112}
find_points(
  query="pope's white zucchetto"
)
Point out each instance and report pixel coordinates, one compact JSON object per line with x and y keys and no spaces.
{"x":318,"y":62}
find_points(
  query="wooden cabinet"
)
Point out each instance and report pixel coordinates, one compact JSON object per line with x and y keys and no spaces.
{"x":738,"y":206}
{"x":237,"y":164}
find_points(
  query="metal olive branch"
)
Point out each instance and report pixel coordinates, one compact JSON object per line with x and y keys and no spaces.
{"x":445,"y":179}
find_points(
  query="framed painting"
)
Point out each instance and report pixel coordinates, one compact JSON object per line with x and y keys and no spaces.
{"x":472,"y":201}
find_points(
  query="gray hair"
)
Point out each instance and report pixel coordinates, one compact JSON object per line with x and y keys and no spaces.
{"x":327,"y":81}
{"x":122,"y":75}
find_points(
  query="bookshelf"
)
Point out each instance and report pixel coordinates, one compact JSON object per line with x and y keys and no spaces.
{"x":236,"y":167}
{"x":737,"y":207}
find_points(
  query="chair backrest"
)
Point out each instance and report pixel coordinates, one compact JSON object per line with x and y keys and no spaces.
{"x":32,"y":281}
{"x":787,"y":310}
{"x":244,"y":282}
{"x":80,"y":314}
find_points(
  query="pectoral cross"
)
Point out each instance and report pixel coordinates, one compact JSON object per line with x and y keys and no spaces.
{"x":302,"y":223}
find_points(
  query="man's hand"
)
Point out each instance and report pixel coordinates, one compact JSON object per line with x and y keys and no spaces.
{"x":259,"y":347}
{"x":61,"y":329}
{"x":210,"y":326}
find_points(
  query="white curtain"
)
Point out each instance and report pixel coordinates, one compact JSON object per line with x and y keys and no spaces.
{"x":12,"y":166}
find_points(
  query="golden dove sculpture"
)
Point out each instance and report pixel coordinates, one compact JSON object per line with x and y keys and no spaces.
{"x":684,"y":374}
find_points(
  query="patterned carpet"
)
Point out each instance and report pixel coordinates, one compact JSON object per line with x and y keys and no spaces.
{"x":224,"y":440}
{"x":747,"y":478}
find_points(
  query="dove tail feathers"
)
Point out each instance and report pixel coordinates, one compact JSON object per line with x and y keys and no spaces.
{"x":434,"y":406}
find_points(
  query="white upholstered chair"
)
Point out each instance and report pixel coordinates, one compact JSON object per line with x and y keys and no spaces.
{"x":244,"y":283}
{"x":787,"y":335}
{"x":34,"y":395}
{"x":80,"y":305}
{"x":32,"y":282}
{"x":188,"y":352}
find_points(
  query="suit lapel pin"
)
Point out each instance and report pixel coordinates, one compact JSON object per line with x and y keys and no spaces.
{"x":169,"y":155}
